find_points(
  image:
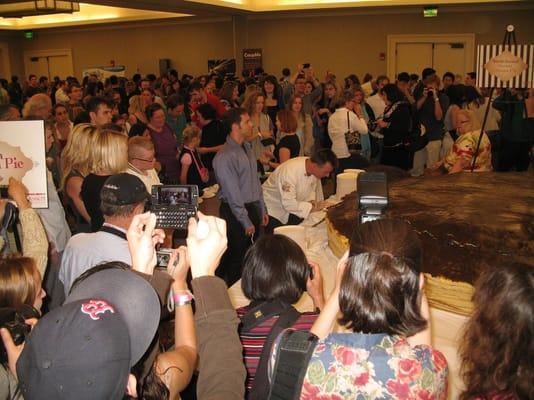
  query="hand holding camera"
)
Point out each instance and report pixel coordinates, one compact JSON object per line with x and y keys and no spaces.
{"x":142,"y":238}
{"x":178,"y":266}
{"x":314,"y":285}
{"x":206,"y":243}
{"x":16,"y":324}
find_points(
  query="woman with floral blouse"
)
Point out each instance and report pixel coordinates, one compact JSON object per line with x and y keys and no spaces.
{"x":379,"y":293}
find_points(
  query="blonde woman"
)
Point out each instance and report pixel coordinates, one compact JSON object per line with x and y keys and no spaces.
{"x":109,"y":156}
{"x":75,"y":166}
{"x":138,"y":105}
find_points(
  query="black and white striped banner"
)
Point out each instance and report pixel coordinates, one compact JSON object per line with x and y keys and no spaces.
{"x":522,"y":81}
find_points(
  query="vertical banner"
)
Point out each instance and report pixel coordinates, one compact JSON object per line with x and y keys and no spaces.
{"x":22,"y":156}
{"x":505,"y":66}
{"x":252,"y":59}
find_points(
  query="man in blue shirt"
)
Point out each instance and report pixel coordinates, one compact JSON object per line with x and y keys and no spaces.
{"x":242,"y":205}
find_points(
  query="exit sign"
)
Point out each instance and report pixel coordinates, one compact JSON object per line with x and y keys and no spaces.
{"x":29,"y":35}
{"x":430,"y":12}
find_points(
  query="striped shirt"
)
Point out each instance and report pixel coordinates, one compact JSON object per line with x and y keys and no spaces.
{"x":254,"y":340}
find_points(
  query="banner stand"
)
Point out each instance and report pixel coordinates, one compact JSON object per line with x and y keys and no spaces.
{"x":509,"y":37}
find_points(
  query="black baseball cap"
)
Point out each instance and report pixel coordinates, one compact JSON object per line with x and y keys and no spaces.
{"x":133,"y":296}
{"x":81,"y":350}
{"x":123,"y":189}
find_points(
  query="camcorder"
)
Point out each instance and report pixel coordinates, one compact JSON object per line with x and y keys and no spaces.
{"x":372,"y":196}
{"x":13,"y":319}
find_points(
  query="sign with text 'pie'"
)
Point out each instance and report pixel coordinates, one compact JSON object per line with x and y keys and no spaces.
{"x":22,"y":156}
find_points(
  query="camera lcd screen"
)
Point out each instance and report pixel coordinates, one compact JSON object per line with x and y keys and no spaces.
{"x":174,"y":195}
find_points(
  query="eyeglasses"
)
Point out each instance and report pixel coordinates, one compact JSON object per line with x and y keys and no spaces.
{"x":144,"y":159}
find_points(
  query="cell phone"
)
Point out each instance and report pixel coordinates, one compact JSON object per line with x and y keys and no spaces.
{"x":306,"y":65}
{"x":174,"y":205}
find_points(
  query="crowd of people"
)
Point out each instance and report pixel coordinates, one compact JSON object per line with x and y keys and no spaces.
{"x":99,"y":304}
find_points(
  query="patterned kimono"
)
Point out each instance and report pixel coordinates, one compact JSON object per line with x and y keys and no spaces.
{"x":464,"y":148}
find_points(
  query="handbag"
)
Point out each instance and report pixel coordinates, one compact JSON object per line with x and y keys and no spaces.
{"x":202,"y":170}
{"x":352,"y":137}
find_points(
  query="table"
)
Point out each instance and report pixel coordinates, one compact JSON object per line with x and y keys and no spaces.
{"x":446,"y":326}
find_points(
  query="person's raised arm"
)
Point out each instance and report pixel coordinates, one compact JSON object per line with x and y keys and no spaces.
{"x":314,"y":286}
{"x":421,"y":100}
{"x":176,"y":366}
{"x":359,"y":124}
{"x":34,"y":240}
{"x":324,"y":323}
{"x":425,"y":336}
{"x":142,"y":239}
{"x":221,"y":369}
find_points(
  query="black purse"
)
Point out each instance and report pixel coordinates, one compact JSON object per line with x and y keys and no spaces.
{"x":352,"y":137}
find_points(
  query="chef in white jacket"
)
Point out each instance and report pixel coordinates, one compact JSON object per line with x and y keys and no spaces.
{"x":294,"y":189}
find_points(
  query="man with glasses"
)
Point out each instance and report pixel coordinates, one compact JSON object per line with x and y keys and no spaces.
{"x":142,"y":161}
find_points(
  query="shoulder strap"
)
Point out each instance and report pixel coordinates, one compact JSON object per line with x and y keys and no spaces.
{"x":113,"y":231}
{"x":260,"y":312}
{"x":193,"y":154}
{"x":292,"y":357}
{"x":260,"y":387}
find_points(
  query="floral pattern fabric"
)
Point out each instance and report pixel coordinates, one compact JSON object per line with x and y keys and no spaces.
{"x":378,"y":366}
{"x":464,"y":148}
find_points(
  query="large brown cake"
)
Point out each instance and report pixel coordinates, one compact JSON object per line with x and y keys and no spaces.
{"x":465,"y":221}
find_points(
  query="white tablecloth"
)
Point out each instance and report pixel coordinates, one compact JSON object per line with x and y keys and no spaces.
{"x":446,"y":326}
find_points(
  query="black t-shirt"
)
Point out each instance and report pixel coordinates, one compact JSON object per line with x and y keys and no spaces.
{"x":290,"y":142}
{"x":212,"y":135}
{"x":91,"y":187}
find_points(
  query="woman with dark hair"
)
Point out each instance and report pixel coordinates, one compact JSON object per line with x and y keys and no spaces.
{"x":352,"y":81}
{"x":63,"y":125}
{"x":165,"y":143}
{"x":322,"y":111}
{"x":273,"y":98}
{"x":395,"y":126}
{"x":379,"y":293}
{"x":457,"y":98}
{"x":496,"y":351}
{"x":275,"y":275}
{"x":229,"y":95}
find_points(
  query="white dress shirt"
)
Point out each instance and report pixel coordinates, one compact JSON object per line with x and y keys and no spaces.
{"x":289,"y":190}
{"x":338,"y":126}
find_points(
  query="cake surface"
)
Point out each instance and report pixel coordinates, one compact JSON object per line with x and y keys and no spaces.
{"x":465,"y":221}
